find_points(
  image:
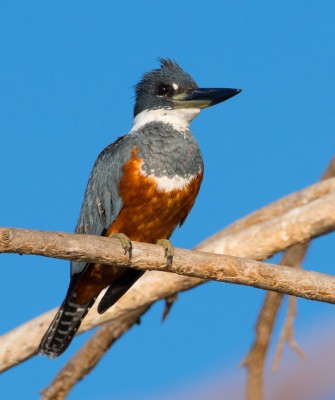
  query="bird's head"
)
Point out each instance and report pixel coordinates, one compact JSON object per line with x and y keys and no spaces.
{"x":171,"y":88}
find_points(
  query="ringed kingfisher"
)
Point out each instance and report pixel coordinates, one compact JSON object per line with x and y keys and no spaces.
{"x":141,"y":188}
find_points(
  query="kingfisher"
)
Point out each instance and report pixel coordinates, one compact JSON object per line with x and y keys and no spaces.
{"x":141,"y":188}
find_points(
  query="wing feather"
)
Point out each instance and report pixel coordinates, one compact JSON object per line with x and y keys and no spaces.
{"x":102,"y":202}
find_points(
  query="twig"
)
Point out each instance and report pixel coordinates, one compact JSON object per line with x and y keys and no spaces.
{"x":287,"y":334}
{"x":169,"y":301}
{"x":255,"y":360}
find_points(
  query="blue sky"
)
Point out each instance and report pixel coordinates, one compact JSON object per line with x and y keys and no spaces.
{"x":67,"y":73}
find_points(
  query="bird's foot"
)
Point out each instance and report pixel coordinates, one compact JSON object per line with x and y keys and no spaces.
{"x":169,"y":250}
{"x":125,"y":242}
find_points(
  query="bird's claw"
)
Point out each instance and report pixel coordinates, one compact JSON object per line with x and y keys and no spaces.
{"x":125,"y":243}
{"x":169,"y":250}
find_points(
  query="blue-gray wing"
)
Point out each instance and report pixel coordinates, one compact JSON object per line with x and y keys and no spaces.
{"x":102,"y":202}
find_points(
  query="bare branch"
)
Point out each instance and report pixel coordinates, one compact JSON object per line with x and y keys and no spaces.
{"x":61,"y":381}
{"x":259,"y":241}
{"x":206,"y":266}
{"x":255,"y":359}
{"x":295,"y":226}
{"x":277,"y":208}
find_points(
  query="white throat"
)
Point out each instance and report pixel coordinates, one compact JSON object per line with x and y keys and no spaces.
{"x":180,"y":118}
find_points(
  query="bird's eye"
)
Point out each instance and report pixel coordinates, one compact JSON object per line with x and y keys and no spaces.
{"x":164,"y":90}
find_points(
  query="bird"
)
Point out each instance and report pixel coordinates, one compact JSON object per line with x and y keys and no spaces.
{"x":141,"y":188}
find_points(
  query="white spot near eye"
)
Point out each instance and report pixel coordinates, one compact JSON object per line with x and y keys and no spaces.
{"x":175,"y":86}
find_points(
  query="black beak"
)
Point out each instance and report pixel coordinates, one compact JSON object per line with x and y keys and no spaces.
{"x":202,"y":98}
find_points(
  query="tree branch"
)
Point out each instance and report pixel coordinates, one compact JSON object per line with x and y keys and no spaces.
{"x":255,"y":360}
{"x":275,"y":209}
{"x":287,"y":334}
{"x":57,"y":388}
{"x":312,"y":218}
{"x":206,"y":266}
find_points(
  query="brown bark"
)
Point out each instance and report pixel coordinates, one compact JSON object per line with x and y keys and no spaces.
{"x":85,"y":360}
{"x":255,"y":360}
{"x":279,"y":207}
{"x":312,"y":218}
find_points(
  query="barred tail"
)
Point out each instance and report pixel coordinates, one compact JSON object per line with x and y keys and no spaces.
{"x":64,"y":326}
